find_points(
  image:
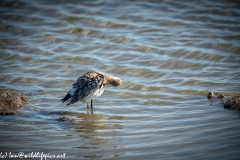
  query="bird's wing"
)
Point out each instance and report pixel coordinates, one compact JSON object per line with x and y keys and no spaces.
{"x":86,"y":85}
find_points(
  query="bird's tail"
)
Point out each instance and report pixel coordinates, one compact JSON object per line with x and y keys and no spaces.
{"x":69,"y":95}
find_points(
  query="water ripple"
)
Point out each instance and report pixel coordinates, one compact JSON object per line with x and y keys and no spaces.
{"x":169,"y":55}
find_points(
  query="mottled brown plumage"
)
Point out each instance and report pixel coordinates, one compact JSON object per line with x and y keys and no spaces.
{"x":90,"y":86}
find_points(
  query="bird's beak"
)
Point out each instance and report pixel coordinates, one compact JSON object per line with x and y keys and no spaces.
{"x":104,"y":83}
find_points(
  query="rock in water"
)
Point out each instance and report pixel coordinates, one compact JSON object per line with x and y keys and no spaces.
{"x":10,"y":103}
{"x":210,"y":95}
{"x":221,"y":96}
{"x":232,"y":103}
{"x":67,"y":119}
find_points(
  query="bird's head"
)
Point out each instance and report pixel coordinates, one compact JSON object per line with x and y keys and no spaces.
{"x":114,"y":81}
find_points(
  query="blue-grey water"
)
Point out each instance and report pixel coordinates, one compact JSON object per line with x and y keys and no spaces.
{"x":169,"y":55}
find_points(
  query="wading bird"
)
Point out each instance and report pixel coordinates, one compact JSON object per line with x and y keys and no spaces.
{"x":90,"y":86}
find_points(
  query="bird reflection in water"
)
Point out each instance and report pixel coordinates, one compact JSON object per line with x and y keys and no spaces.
{"x":96,"y":132}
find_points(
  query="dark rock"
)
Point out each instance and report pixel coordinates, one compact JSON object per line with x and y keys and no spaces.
{"x":67,"y":119}
{"x":232,"y":103}
{"x":10,"y":103}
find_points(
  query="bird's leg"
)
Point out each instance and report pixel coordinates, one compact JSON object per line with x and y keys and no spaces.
{"x":91,"y":104}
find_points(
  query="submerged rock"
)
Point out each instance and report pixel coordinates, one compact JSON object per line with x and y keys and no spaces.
{"x":211,"y":95}
{"x":232,"y":103}
{"x":10,"y":103}
{"x":67,"y":119}
{"x":221,"y":96}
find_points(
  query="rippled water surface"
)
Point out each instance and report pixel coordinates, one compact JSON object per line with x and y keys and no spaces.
{"x":169,"y":55}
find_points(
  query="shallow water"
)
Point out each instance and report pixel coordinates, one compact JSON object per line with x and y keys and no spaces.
{"x":168,"y":54}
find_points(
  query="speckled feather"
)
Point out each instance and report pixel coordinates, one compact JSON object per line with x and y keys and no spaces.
{"x":88,"y":84}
